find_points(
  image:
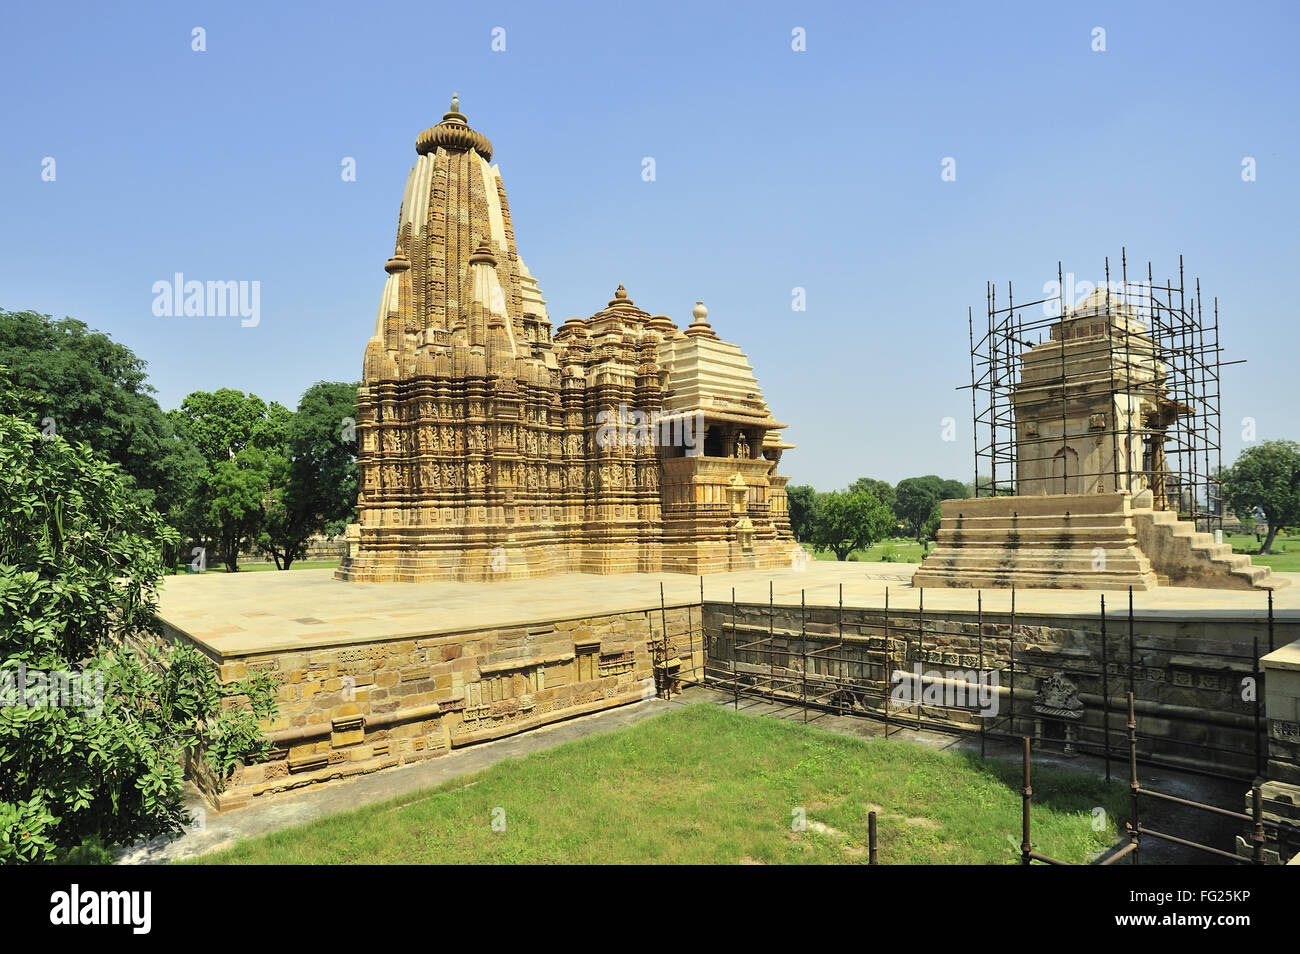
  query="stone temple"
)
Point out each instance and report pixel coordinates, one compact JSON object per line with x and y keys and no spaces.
{"x":493,"y":447}
{"x":1095,"y":503}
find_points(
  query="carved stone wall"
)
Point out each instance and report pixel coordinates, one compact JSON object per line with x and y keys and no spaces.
{"x":352,"y":709}
{"x":1188,"y":674}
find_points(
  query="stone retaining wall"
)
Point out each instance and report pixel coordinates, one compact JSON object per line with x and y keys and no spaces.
{"x":359,"y":707}
{"x":356,"y":708}
{"x":1188,"y":677}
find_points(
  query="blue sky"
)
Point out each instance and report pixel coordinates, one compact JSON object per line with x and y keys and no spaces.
{"x":775,"y":169}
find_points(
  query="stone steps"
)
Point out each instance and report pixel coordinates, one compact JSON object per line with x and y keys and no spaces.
{"x":1080,"y":541}
{"x":1087,"y":542}
{"x":1185,"y":556}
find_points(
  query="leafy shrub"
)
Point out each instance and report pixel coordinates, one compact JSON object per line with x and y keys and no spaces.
{"x":80,"y":559}
{"x":90,"y":852}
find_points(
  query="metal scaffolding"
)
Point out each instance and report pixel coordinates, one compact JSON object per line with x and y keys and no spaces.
{"x":1180,"y":436}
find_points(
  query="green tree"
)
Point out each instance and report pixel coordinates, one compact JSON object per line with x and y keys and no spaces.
{"x":82,"y":385}
{"x":930,"y":531}
{"x":850,"y":521}
{"x":243,"y":442}
{"x":881,"y":489}
{"x":100,"y":760}
{"x":916,"y":498}
{"x":222,"y":423}
{"x":283,"y":518}
{"x":316,"y":489}
{"x":236,"y":497}
{"x":802,"y":502}
{"x":323,"y":443}
{"x":1266,"y":477}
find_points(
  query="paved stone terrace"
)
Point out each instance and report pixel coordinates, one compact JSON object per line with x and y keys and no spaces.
{"x":239,"y":614}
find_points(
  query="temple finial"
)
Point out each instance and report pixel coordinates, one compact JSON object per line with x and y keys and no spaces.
{"x":700,"y":327}
{"x":454,"y":133}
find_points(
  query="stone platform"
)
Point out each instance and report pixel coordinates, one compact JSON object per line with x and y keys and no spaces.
{"x":236,"y":615}
{"x":383,"y":674}
{"x":1096,"y":541}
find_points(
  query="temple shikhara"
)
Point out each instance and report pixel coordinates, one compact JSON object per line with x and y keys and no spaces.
{"x":492,"y":446}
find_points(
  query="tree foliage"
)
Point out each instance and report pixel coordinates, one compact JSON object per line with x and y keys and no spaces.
{"x":80,"y":558}
{"x":315,"y":491}
{"x":930,"y":531}
{"x":917,"y":497}
{"x":271,"y":477}
{"x":1266,"y":478}
{"x":242,"y":441}
{"x":881,"y":489}
{"x":82,"y":385}
{"x":850,"y":521}
{"x":802,"y":502}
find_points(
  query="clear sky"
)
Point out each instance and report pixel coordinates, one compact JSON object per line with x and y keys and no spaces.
{"x":775,"y":169}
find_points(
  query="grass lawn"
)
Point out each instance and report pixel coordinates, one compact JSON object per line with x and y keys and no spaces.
{"x":1286,"y":550}
{"x":897,"y":550}
{"x":707,"y":785}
